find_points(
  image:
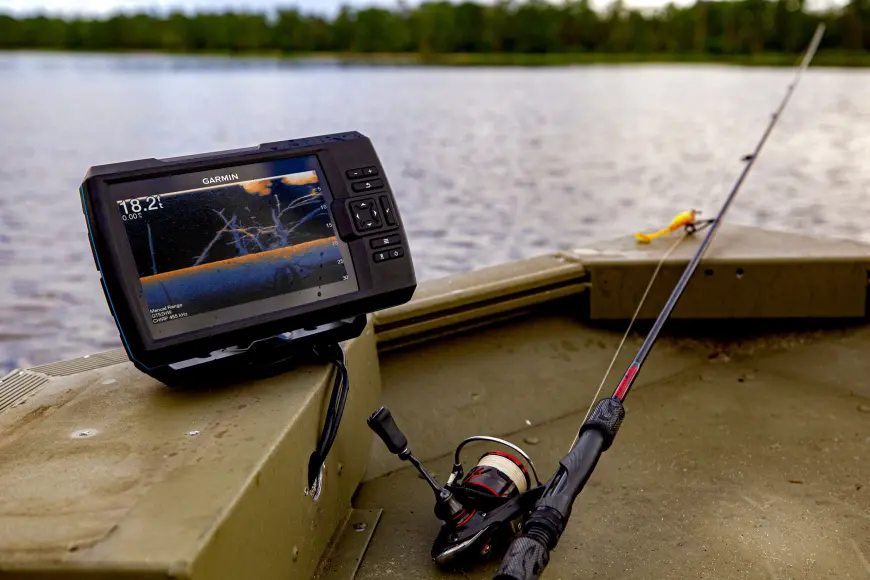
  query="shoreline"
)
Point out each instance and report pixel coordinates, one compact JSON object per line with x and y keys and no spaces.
{"x":837,"y":59}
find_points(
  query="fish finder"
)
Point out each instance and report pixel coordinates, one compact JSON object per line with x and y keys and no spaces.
{"x":208,"y":257}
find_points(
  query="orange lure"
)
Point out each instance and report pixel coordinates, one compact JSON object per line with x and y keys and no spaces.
{"x":682,"y":220}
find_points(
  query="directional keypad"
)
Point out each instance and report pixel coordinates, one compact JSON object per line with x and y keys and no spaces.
{"x":366,"y":214}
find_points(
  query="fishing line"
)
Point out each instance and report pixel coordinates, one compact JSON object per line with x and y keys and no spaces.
{"x":688,"y":231}
{"x":750,"y":159}
{"x":649,"y":286}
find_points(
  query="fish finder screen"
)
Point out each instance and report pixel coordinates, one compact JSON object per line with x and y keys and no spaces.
{"x":224,"y":244}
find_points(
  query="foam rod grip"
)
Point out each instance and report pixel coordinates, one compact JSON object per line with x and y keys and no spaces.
{"x":526,"y":558}
{"x":382,"y":423}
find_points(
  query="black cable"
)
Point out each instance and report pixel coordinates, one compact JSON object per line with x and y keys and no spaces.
{"x":340,"y":388}
{"x":336,"y":406}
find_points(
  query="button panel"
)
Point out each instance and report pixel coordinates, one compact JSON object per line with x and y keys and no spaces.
{"x":362,"y":172}
{"x":389,"y":254}
{"x":385,"y":241}
{"x":366,"y":215}
{"x":369,"y":185}
{"x":389,"y":214}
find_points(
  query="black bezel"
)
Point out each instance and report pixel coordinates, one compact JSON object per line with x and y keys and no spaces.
{"x":379,"y":285}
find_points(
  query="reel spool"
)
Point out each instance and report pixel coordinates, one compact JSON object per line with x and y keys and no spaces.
{"x":498,"y":466}
{"x":500,"y":474}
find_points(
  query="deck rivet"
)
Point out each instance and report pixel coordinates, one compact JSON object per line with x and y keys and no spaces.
{"x":340,"y":468}
{"x":360,"y":526}
{"x":192,"y":433}
{"x":82,"y":433}
{"x":295,"y":553}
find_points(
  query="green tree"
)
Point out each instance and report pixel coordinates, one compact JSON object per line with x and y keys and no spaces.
{"x":854,"y":16}
{"x":537,"y":27}
{"x":435,"y":30}
{"x":343,"y":30}
{"x":468,"y":28}
{"x":722,"y":27}
{"x":378,"y":31}
{"x":580,"y":27}
{"x":291,"y":32}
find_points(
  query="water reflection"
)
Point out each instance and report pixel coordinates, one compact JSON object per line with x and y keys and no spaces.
{"x":489,"y":165}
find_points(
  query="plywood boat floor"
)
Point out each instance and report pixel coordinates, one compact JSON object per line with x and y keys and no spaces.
{"x":752,"y":464}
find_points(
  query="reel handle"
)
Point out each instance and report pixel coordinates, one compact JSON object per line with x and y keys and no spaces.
{"x":447,"y":507}
{"x":383,"y":424}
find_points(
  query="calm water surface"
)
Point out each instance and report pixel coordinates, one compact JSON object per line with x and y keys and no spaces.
{"x":488,"y":165}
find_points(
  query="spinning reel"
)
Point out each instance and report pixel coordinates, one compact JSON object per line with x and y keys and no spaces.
{"x":479,"y":510}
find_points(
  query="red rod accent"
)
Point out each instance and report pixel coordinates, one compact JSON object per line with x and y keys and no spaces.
{"x":622,"y":389}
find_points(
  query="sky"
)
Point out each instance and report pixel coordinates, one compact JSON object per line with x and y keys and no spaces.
{"x":96,"y":7}
{"x":327,"y":7}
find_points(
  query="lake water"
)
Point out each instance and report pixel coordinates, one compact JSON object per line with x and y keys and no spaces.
{"x":488,"y":165}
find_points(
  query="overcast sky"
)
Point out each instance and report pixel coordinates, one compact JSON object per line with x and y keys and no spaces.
{"x":105,"y":6}
{"x":321,"y":6}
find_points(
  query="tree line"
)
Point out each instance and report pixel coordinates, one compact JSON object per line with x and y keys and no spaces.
{"x":742,"y":27}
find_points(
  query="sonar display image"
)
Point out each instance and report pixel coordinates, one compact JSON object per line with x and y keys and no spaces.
{"x":211,"y":248}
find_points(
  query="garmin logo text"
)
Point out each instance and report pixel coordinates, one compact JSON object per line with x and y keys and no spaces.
{"x":220,"y":179}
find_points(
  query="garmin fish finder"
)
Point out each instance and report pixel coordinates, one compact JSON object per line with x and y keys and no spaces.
{"x":207,"y":257}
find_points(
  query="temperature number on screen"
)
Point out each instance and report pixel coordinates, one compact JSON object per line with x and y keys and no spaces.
{"x":133,"y":208}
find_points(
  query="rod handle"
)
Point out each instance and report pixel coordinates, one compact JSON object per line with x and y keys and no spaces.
{"x":525,"y":559}
{"x":383,"y":424}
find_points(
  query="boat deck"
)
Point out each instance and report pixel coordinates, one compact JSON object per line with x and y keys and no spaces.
{"x":743,"y":455}
{"x":745,"y":458}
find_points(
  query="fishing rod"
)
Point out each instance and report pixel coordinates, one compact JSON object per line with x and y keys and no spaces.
{"x":528,"y":554}
{"x":496,"y":499}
